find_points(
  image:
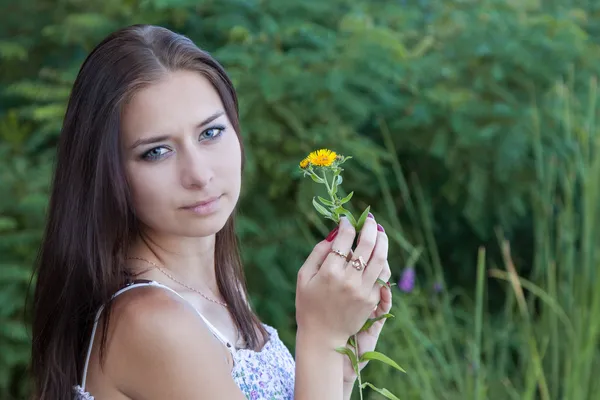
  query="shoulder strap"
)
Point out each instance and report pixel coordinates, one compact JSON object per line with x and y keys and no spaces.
{"x":143,"y":283}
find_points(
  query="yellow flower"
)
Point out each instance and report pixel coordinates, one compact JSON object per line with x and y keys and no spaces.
{"x":304,"y":163}
{"x":322,"y":157}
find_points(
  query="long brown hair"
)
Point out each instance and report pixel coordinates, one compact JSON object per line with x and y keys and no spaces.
{"x":91,"y":221}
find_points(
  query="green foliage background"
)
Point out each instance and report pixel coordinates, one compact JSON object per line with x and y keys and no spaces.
{"x":445,"y":105}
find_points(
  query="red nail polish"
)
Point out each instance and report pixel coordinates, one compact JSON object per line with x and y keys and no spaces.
{"x":332,"y":234}
{"x":380,"y":228}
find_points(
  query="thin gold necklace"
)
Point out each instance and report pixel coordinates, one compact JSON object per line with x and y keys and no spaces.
{"x":176,"y":281}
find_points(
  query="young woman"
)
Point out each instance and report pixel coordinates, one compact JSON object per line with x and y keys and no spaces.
{"x":140,"y":291}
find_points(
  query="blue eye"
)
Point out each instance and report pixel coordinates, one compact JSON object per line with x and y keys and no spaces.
{"x":158,"y":152}
{"x":212,"y":133}
{"x":155,"y":153}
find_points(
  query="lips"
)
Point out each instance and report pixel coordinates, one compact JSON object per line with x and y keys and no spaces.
{"x":202,"y":203}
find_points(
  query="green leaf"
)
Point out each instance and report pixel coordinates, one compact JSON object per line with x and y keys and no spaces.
{"x":334,"y":184}
{"x":11,"y":50}
{"x":325,"y":201}
{"x":352,"y":341}
{"x":342,"y":211}
{"x":347,"y":198}
{"x":320,"y":208}
{"x":363,"y":218}
{"x":350,"y":217}
{"x":375,"y":355}
{"x":316,"y":178}
{"x":8,"y":224}
{"x":371,"y":321}
{"x":351,"y":355}
{"x":384,"y":392}
{"x":384,"y":283}
{"x":334,"y":218}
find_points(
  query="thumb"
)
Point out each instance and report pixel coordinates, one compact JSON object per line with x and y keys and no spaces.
{"x":314,"y":260}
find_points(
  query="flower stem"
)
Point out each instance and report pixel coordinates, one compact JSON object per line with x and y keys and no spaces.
{"x":326,"y":183}
{"x":360,"y":392}
{"x":332,"y":196}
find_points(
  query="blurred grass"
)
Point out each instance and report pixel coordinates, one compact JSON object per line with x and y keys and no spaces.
{"x":544,"y":345}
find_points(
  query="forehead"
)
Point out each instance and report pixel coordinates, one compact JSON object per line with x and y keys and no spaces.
{"x":172,"y":105}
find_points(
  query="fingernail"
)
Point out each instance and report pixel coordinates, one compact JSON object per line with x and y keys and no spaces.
{"x":371,"y":216}
{"x":380,"y":228}
{"x":332,"y":234}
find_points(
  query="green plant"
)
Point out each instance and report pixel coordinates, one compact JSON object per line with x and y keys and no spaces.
{"x":543,"y":344}
{"x":325,"y":167}
{"x":23,"y":182}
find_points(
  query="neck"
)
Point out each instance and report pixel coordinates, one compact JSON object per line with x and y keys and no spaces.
{"x":189,"y":260}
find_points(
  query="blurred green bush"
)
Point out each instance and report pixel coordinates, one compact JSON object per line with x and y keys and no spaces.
{"x":435,"y":100}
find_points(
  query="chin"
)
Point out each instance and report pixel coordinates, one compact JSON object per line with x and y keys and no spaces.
{"x":202,"y":227}
{"x":204,"y":231}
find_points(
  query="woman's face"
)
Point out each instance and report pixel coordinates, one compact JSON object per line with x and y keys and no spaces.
{"x":182,"y":156}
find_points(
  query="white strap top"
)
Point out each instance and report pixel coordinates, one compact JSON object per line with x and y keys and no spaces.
{"x":143,"y":283}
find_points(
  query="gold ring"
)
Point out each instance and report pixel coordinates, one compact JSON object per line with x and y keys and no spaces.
{"x":359,"y":264}
{"x":339,"y":253}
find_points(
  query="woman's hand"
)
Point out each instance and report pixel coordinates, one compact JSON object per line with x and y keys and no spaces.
{"x":335,"y":296}
{"x":367,"y":340}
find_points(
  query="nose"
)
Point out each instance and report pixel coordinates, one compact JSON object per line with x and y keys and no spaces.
{"x":195,"y":169}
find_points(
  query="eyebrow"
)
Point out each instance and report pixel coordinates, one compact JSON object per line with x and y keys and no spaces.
{"x":162,"y":138}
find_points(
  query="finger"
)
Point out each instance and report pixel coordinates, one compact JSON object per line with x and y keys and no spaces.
{"x":386,"y":273}
{"x":314,"y":260}
{"x":377,"y":326}
{"x":385,"y":302}
{"x":342,"y":244}
{"x":370,"y":218}
{"x":374,"y":299}
{"x":365,"y":247}
{"x":384,"y":307}
{"x":378,"y":259}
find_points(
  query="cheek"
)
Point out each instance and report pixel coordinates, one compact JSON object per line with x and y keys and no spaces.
{"x":233,"y":166}
{"x":147,"y":195}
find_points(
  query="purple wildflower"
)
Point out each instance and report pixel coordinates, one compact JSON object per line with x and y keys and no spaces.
{"x":407,"y":280}
{"x":437,"y":287}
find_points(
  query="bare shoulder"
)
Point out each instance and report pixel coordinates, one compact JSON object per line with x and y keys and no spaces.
{"x":158,"y":347}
